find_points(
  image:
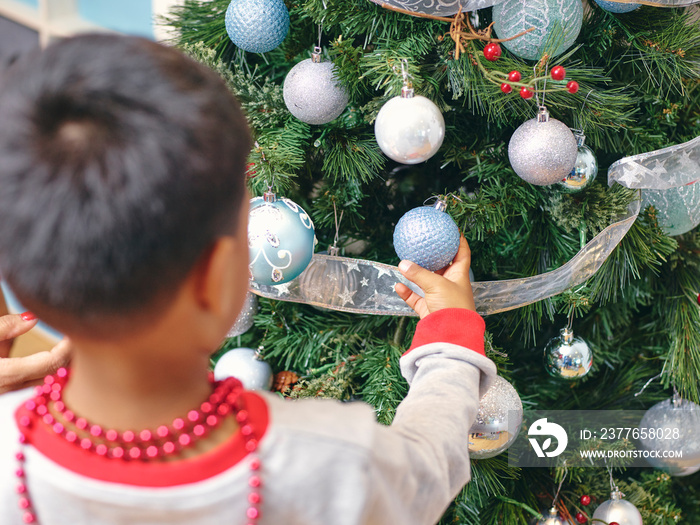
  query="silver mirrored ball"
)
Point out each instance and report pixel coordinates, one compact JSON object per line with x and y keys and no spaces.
{"x":568,"y":357}
{"x":497,"y":422}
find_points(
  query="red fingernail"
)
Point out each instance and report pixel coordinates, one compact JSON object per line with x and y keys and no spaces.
{"x":27,"y":316}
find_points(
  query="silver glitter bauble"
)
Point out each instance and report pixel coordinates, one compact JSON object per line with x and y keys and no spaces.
{"x":585,"y":169}
{"x":312,"y":92}
{"x":568,"y":357}
{"x":542,"y":151}
{"x":551,"y":517}
{"x":245,"y":365}
{"x":257,"y":26}
{"x":245,"y":319}
{"x":672,"y":426}
{"x":677,"y":209}
{"x":280,"y":238}
{"x":557,"y":24}
{"x":616,"y":7}
{"x":617,"y":510}
{"x":497,"y":422}
{"x":427,"y":236}
{"x":409,"y":128}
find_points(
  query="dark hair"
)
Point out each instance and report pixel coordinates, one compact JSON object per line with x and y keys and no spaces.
{"x":121,"y":161}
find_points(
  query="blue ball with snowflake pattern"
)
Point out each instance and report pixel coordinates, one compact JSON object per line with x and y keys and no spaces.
{"x":427,"y":236}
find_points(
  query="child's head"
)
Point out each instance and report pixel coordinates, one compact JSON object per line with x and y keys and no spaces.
{"x":121,"y":163}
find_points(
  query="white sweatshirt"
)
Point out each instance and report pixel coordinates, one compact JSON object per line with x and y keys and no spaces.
{"x":323,"y":462}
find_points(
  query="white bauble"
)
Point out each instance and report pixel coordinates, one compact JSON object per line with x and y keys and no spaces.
{"x":245,"y":365}
{"x":312,"y":92}
{"x":409,"y":129}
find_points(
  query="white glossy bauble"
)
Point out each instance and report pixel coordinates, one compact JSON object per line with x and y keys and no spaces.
{"x":497,"y":422}
{"x":409,"y":130}
{"x":312,"y":92}
{"x":617,"y":510}
{"x":245,"y":365}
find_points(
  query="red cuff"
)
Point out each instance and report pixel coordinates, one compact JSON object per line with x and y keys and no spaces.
{"x":457,"y":326}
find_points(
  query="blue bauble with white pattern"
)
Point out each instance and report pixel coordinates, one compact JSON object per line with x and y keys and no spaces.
{"x":427,"y":236}
{"x":556,"y":23}
{"x":615,"y":7}
{"x":280,"y":238}
{"x":257,"y":26}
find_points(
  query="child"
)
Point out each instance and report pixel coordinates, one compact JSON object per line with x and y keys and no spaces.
{"x":124,"y":217}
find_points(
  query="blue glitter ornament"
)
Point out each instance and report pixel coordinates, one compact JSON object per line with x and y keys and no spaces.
{"x":281,"y":240}
{"x":257,"y":26}
{"x":427,"y":236}
{"x":615,"y":7}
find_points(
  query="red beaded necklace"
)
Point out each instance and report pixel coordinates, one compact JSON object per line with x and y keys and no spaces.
{"x":146,"y":445}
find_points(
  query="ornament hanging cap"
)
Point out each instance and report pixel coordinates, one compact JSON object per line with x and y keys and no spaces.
{"x":316,"y":55}
{"x":543,"y":114}
{"x":567,"y":335}
{"x":616,"y":495}
{"x":269,"y":196}
{"x":407,"y":89}
{"x":441,"y":205}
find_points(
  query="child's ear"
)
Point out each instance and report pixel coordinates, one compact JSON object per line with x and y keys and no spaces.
{"x":222,"y":279}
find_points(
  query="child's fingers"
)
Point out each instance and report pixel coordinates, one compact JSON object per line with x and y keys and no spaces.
{"x":18,"y":372}
{"x":410,"y":297}
{"x":12,"y":326}
{"x":425,"y":279}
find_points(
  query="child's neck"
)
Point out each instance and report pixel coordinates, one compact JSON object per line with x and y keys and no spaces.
{"x":136,"y":388}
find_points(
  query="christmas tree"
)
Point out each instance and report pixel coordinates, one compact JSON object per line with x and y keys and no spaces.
{"x":630,"y":83}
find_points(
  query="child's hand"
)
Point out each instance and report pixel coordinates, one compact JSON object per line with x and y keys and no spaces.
{"x":447,"y":288}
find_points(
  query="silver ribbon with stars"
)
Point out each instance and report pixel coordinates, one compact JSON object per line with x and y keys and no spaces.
{"x":367,"y":287}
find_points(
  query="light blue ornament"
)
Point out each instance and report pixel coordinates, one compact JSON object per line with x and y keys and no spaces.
{"x":257,"y":26}
{"x":427,"y":236}
{"x":615,"y":7}
{"x":677,"y":209}
{"x":280,"y":238}
{"x":557,"y":24}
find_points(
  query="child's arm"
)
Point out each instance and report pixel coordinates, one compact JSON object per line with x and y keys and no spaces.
{"x":421,"y":461}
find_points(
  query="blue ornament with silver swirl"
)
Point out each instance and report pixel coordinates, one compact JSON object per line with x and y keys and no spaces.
{"x":427,"y":236}
{"x":280,"y":238}
{"x":257,"y":26}
{"x":617,"y":7}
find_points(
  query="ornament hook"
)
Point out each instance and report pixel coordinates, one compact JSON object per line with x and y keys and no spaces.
{"x":334,"y":250}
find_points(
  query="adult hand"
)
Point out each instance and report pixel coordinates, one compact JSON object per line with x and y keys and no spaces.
{"x":19,"y":372}
{"x":447,"y":288}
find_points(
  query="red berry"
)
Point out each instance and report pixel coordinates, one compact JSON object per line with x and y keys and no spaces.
{"x":585,"y":500}
{"x":506,"y":88}
{"x":581,"y":517}
{"x":558,"y":73}
{"x":526,"y":93}
{"x":514,"y":76}
{"x":613,"y":523}
{"x":572,"y":86}
{"x":492,"y":51}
